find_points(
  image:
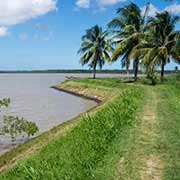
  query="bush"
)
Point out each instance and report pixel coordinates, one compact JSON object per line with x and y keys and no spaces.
{"x":14,"y":126}
{"x":154,"y":78}
{"x":4,"y":102}
{"x":18,"y":126}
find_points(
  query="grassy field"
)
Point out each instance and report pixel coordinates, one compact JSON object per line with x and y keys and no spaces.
{"x":134,"y":134}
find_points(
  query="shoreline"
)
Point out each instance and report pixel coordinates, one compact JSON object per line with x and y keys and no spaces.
{"x":32,"y":146}
{"x":95,"y":99}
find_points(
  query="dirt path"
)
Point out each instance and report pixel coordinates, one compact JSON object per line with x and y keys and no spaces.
{"x":141,"y":160}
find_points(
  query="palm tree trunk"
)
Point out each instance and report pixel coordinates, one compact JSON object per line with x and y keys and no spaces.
{"x":162,"y":72}
{"x":127,"y":73}
{"x":94,"y":72}
{"x":148,"y":71}
{"x":136,"y":67}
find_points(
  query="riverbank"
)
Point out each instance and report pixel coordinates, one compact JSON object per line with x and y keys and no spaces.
{"x":24,"y":150}
{"x":133,"y":134}
{"x":105,"y":85}
{"x":32,"y":98}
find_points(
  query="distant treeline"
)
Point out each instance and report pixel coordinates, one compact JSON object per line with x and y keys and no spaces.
{"x":115,"y":71}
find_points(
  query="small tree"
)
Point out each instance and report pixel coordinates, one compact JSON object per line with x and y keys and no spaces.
{"x":15,"y":126}
{"x":4,"y":102}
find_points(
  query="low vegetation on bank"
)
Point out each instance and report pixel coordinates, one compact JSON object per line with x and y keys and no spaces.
{"x":14,"y":126}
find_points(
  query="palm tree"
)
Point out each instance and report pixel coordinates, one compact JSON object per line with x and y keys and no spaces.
{"x":176,"y":49}
{"x":129,"y":27}
{"x":95,"y":48}
{"x":162,"y":42}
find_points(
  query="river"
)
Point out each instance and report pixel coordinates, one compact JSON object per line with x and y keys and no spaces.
{"x":32,"y":98}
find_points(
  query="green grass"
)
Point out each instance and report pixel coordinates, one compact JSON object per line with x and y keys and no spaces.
{"x":169,"y":124}
{"x":138,"y":124}
{"x":98,"y":83}
{"x":90,"y":149}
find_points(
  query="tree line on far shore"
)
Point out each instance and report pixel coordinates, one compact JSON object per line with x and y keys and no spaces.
{"x":133,"y":38}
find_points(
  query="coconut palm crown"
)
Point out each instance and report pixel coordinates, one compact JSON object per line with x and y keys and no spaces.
{"x":162,"y":41}
{"x":128,"y":28}
{"x":95,"y":48}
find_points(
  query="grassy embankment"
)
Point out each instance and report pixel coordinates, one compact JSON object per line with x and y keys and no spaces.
{"x":133,"y":135}
{"x":90,"y":150}
{"x":25,"y":150}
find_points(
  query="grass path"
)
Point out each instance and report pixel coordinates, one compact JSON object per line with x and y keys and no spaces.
{"x":152,"y":164}
{"x":141,"y":160}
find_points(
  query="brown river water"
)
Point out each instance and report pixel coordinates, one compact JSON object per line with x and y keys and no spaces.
{"x":32,"y":98}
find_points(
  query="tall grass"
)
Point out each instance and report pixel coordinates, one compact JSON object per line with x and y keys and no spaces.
{"x":77,"y":155}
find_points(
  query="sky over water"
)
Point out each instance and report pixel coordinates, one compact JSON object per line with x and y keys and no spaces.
{"x":46,"y":34}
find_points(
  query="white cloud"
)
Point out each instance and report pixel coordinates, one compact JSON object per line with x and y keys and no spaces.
{"x":23,"y":37}
{"x":174,"y":8}
{"x":109,"y":2}
{"x":152,"y":10}
{"x":3,"y":31}
{"x":86,"y":3}
{"x":17,"y":11}
{"x":83,"y":3}
{"x":13,"y":12}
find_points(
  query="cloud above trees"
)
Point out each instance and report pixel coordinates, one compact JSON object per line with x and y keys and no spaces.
{"x":13,"y":12}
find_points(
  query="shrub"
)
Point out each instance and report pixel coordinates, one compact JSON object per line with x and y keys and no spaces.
{"x":18,"y":126}
{"x":14,"y":126}
{"x":4,"y":102}
{"x":154,"y":78}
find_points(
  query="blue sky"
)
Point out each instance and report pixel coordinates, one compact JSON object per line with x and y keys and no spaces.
{"x":46,"y":34}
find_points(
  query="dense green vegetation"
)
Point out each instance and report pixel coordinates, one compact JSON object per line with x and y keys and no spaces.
{"x":76,"y":71}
